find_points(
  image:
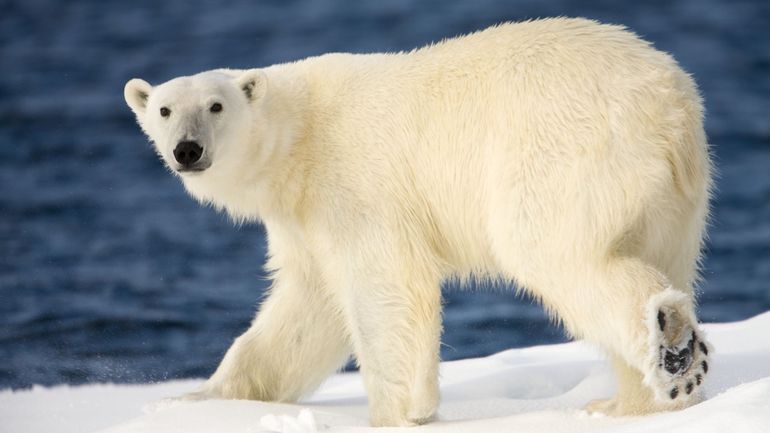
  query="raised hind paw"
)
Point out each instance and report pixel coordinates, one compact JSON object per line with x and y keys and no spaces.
{"x":678,"y":355}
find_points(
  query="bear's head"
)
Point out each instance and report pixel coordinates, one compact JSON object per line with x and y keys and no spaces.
{"x":203,"y":123}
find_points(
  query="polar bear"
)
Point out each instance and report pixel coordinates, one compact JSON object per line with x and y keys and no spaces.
{"x":562,"y":155}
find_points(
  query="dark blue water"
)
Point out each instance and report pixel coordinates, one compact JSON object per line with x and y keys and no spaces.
{"x":109,"y":272}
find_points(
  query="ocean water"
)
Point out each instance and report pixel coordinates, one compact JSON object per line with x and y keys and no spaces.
{"x":110,"y":272}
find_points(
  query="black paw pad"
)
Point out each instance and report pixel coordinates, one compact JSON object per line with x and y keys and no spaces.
{"x":703,"y":348}
{"x":675,"y":363}
{"x":698,"y":379}
{"x":661,"y":320}
{"x":705,"y":366}
{"x":688,"y":388}
{"x":674,"y":392}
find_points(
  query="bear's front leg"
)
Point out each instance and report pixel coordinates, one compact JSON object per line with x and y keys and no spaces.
{"x":297,"y":339}
{"x":395,"y":325}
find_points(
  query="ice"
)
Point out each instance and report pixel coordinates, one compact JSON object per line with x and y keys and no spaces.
{"x":538,"y":389}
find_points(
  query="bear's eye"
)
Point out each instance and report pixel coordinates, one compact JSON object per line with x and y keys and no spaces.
{"x":216,"y":107}
{"x":164,"y":111}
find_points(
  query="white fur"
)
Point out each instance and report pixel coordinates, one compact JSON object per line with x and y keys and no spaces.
{"x":563,"y":155}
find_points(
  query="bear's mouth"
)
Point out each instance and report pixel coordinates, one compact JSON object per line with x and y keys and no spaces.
{"x":197,"y":168}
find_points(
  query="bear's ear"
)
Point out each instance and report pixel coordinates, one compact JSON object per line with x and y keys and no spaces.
{"x":253,"y":83}
{"x":136,"y":93}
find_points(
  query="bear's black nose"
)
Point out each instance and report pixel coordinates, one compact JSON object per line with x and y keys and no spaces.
{"x":187,"y":153}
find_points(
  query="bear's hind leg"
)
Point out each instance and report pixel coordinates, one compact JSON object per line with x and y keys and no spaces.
{"x":629,"y":309}
{"x":678,"y":352}
{"x":632,"y":398}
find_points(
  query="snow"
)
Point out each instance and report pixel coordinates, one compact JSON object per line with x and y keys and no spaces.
{"x":537,"y":389}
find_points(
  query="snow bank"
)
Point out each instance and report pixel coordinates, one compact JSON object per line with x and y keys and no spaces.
{"x":538,"y":389}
